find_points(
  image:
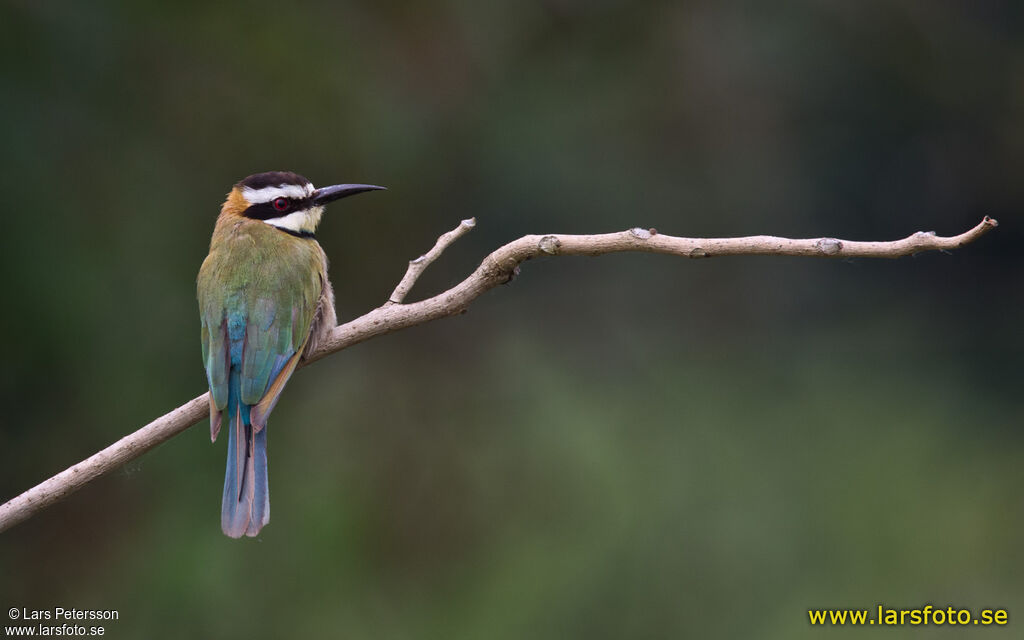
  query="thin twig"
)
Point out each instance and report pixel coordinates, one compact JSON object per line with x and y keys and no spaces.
{"x":420,"y":264}
{"x":496,"y":268}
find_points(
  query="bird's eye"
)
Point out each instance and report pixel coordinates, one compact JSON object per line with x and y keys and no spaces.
{"x":281,"y":204}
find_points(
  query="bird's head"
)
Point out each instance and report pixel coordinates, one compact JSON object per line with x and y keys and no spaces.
{"x":285,"y":200}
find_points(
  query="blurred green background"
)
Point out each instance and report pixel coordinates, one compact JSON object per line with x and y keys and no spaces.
{"x":630,"y":446}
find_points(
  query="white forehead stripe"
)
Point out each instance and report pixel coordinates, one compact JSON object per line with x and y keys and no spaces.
{"x":266,"y":194}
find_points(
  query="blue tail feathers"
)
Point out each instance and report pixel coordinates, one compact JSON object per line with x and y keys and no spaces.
{"x":245,"y":505}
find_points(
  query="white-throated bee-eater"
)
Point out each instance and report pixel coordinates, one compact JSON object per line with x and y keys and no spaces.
{"x":264,"y":301}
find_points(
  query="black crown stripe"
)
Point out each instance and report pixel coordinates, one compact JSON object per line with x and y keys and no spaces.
{"x":273,"y":179}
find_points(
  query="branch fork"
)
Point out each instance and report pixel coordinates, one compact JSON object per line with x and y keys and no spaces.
{"x":420,"y":264}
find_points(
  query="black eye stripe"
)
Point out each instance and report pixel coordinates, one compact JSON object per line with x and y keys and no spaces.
{"x":266,"y":210}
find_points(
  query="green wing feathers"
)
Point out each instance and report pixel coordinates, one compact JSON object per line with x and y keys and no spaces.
{"x":258,"y":294}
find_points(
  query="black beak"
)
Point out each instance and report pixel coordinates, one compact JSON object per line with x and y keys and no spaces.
{"x":329,"y":194}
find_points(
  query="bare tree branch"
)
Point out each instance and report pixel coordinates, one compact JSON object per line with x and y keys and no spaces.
{"x":420,"y":264}
{"x":497,"y":268}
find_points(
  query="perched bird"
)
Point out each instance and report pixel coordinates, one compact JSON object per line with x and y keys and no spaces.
{"x":264,"y":301}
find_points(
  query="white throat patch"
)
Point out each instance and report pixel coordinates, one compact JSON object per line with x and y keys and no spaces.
{"x":304,"y":221}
